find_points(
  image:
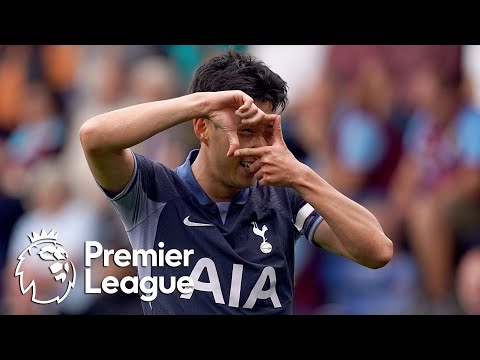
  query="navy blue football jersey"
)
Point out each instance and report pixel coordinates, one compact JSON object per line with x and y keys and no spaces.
{"x":244,"y":265}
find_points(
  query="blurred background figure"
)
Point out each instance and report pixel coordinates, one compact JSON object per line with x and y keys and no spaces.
{"x":50,"y":205}
{"x":41,"y":129}
{"x":395,"y":127}
{"x":438,"y":183}
{"x":13,"y":75}
{"x":101,"y":86}
{"x":11,"y":209}
{"x":156,"y":78}
{"x":401,"y":61}
{"x":362,"y":146}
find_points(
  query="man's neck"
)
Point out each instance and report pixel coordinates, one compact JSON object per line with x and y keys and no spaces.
{"x":213,"y":187}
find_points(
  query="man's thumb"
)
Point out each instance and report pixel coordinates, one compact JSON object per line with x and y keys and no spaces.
{"x":233,"y":142}
{"x":277,"y":131}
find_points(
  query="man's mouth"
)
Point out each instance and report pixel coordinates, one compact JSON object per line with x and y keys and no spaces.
{"x":246,"y":163}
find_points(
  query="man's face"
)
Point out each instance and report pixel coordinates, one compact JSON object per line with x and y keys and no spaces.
{"x":232,"y":171}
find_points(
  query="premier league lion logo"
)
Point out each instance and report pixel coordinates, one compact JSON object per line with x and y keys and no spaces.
{"x":51,"y":264}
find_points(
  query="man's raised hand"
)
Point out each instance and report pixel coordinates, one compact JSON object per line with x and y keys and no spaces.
{"x":275,"y":164}
{"x":228,"y":109}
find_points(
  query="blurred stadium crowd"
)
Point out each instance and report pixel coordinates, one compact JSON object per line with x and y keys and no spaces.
{"x":394,"y":127}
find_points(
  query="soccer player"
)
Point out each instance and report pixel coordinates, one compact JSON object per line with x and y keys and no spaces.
{"x":239,"y":202}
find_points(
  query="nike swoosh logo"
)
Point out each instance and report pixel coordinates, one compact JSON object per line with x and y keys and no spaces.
{"x":187,"y":222}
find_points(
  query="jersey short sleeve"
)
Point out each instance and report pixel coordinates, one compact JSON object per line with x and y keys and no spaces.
{"x":150,"y":187}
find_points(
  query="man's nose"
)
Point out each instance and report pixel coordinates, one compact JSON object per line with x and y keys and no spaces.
{"x":258,"y":141}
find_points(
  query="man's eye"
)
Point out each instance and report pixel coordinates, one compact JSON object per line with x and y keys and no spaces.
{"x":250,"y":131}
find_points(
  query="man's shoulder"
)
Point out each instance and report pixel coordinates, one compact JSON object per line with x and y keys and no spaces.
{"x":276,"y":197}
{"x":156,"y":178}
{"x":269,"y":190}
{"x":144,"y":160}
{"x":153,"y":167}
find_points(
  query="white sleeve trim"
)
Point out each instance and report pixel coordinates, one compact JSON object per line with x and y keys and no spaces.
{"x":313,"y":228}
{"x":302,"y":215}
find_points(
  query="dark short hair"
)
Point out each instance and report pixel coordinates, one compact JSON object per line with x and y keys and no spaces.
{"x":236,"y":70}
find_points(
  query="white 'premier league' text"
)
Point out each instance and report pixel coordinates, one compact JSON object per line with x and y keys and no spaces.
{"x":148,"y":285}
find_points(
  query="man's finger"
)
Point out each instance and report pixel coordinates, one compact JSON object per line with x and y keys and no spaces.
{"x":259,"y":152}
{"x":248,"y":113}
{"x":260,"y":119}
{"x":247,"y":103}
{"x":258,"y":175}
{"x":262,"y":182}
{"x":254,"y":120}
{"x":233,"y":142}
{"x":277,"y":131}
{"x":255,"y":167}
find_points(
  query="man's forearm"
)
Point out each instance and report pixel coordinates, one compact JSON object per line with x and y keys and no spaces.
{"x":123,"y":128}
{"x":360,"y":234}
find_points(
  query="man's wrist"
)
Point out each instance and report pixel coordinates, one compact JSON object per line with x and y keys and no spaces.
{"x":199,"y":105}
{"x":301,"y":177}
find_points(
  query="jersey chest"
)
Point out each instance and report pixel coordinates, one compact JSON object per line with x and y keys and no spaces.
{"x":250,"y":233}
{"x":245,"y":264}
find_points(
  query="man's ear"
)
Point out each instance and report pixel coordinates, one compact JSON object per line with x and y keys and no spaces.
{"x":200,"y":127}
